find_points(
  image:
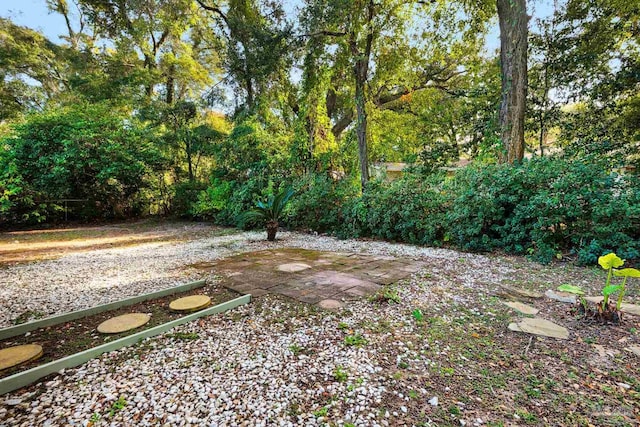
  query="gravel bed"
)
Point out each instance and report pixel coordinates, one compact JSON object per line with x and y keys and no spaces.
{"x":82,"y":280}
{"x":282,"y":363}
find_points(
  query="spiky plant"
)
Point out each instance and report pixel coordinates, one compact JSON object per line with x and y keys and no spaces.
{"x":270,"y":211}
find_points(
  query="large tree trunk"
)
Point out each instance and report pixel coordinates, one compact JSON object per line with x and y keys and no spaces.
{"x":170,"y":84}
{"x":149,"y":64}
{"x":360,"y":70}
{"x":249,"y":88}
{"x":513,"y":19}
{"x":188,"y":148}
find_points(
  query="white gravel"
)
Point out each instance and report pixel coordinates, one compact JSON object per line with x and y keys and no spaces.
{"x":241,"y":371}
{"x":83,"y":280}
{"x":268,"y":363}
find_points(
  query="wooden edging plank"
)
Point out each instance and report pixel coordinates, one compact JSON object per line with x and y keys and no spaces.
{"x":30,"y":376}
{"x":66,"y":317}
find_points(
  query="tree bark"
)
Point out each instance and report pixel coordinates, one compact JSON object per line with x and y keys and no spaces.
{"x":543,"y":134}
{"x":342,"y":124}
{"x":272,"y":230}
{"x":170,"y":84}
{"x":249,"y":88}
{"x":189,"y":160}
{"x":360,"y":70}
{"x":512,"y":15}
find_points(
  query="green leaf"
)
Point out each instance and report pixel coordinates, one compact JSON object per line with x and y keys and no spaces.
{"x":610,"y":260}
{"x":572,"y":289}
{"x":627,"y":272}
{"x":611,"y":289}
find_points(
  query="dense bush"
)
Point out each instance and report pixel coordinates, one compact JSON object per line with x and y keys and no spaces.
{"x":83,"y":152}
{"x":248,"y":164}
{"x":411,"y":210}
{"x":223,"y":202}
{"x":319,"y":201}
{"x":544,"y":207}
{"x":185,"y":198}
{"x":212,"y":200}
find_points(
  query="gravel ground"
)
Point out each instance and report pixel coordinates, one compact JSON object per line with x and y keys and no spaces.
{"x":278,"y":362}
{"x":83,"y":280}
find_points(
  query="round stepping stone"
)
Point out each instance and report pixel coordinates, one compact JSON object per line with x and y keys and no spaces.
{"x":330,"y":304}
{"x":521,"y":308}
{"x":13,"y":356}
{"x":293,"y":267}
{"x":123,"y":323}
{"x":190,"y":303}
{"x":541,"y":327}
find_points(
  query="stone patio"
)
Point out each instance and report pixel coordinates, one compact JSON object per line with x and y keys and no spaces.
{"x":312,"y":276}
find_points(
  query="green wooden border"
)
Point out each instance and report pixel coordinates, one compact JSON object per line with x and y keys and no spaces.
{"x":13,"y":331}
{"x":32,"y":375}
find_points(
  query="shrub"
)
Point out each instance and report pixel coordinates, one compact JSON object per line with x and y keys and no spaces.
{"x":411,"y":210}
{"x":213,"y":199}
{"x":88,"y":151}
{"x":544,"y":207}
{"x":319,"y":202}
{"x":185,"y":198}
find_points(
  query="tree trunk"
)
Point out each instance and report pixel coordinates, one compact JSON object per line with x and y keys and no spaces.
{"x":149,"y":64}
{"x":543,"y":134}
{"x":272,"y":229}
{"x":360,"y":70}
{"x":189,"y":152}
{"x":512,"y":15}
{"x":170,"y":85}
{"x":249,"y":88}
{"x":545,"y":106}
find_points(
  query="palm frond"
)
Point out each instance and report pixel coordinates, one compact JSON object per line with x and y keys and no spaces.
{"x":271,"y":209}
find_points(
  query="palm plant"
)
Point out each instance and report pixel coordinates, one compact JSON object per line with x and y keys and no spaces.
{"x":270,"y":211}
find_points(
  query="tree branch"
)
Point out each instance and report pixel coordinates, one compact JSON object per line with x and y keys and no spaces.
{"x":343,"y":123}
{"x":328,"y":33}
{"x":215,"y":9}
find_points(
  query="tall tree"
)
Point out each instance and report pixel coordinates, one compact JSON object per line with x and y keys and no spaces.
{"x":163,"y":37}
{"x":599,"y":73}
{"x":26,"y":56}
{"x":545,"y":57}
{"x":257,"y":39}
{"x":357,"y":27}
{"x":382,"y":52}
{"x":513,"y":19}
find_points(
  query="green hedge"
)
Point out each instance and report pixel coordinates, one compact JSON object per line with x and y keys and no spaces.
{"x":410,"y":210}
{"x":87,"y":151}
{"x":318,"y":202}
{"x":543,"y":207}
